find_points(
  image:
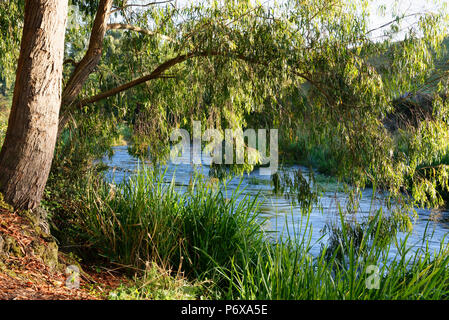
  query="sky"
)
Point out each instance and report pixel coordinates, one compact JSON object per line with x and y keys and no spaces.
{"x":405,"y":6}
{"x":377,"y":18}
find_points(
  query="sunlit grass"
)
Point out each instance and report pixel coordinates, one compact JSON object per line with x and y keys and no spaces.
{"x":156,"y":283}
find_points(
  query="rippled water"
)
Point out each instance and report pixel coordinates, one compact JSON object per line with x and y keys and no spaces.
{"x":281,"y":214}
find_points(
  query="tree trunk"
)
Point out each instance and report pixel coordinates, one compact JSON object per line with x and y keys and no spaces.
{"x":89,"y":62}
{"x":27,"y":152}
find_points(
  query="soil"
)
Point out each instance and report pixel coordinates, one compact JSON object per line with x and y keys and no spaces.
{"x":32,"y":268}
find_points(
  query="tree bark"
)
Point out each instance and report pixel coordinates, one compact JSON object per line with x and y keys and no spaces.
{"x":27,"y":153}
{"x":89,"y":62}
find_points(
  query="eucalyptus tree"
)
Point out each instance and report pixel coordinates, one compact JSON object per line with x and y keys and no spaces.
{"x":312,"y":62}
{"x":27,"y":152}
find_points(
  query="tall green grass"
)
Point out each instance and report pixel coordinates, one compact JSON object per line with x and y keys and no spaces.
{"x":366,"y":271}
{"x":144,"y":219}
{"x":212,"y":235}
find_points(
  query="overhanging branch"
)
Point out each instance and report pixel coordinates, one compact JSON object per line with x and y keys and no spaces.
{"x":92,"y":56}
{"x":159,"y":73}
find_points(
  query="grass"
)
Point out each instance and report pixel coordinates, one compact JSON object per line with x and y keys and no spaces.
{"x":214,"y":240}
{"x":143,"y":219}
{"x":286,"y":270}
{"x":157,"y":283}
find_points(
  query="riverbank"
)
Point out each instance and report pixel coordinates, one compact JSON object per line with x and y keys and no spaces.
{"x":33,"y":268}
{"x":141,"y":239}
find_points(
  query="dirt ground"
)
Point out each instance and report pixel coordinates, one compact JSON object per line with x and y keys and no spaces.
{"x":24,"y":275}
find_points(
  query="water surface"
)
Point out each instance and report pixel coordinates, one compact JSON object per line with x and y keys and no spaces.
{"x":283,"y":217}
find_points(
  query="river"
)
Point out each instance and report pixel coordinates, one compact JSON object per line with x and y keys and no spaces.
{"x":279,"y":211}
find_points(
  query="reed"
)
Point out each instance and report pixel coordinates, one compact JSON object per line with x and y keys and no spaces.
{"x":215,"y":236}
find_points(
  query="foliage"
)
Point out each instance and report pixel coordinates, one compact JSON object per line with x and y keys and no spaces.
{"x":288,"y":65}
{"x":306,"y":66}
{"x":75,"y":160}
{"x":285,"y":270}
{"x":293,"y":185}
{"x":11,"y":23}
{"x":4,"y":114}
{"x":418,"y":152}
{"x":309,"y":68}
{"x":426,"y":150}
